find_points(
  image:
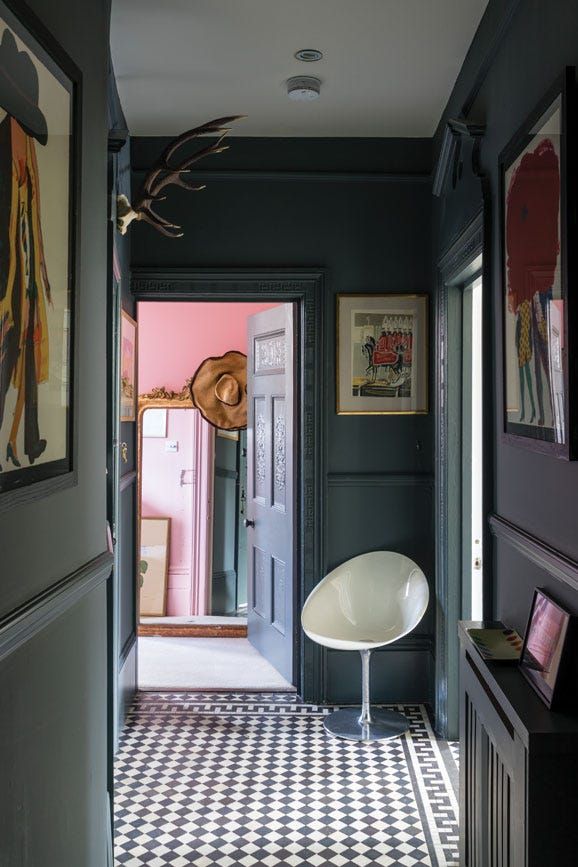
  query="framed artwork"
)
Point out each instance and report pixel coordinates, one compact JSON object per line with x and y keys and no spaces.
{"x":154,"y":423}
{"x":154,"y":566}
{"x":382,"y":354}
{"x":545,"y":646}
{"x":128,"y":351}
{"x":39,"y":206}
{"x":538,"y":235}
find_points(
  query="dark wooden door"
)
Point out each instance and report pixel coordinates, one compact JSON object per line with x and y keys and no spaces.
{"x":271,"y":486}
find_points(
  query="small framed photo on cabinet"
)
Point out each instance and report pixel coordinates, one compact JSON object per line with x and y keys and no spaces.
{"x":382,"y":354}
{"x":544,"y":654}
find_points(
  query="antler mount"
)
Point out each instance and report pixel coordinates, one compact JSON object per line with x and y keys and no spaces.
{"x":164,"y":173}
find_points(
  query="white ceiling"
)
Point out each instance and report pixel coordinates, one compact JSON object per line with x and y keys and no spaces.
{"x":388,"y":66}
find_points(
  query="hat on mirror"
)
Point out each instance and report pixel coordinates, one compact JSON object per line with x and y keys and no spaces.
{"x":219,"y":390}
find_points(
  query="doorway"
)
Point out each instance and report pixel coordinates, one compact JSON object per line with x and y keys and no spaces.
{"x":463,"y":434}
{"x":304,"y":289}
{"x":216,"y":507}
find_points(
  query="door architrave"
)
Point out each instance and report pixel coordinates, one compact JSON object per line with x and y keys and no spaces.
{"x":305,"y":288}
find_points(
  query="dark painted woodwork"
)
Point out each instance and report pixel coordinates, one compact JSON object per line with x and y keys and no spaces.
{"x":54,"y":806}
{"x":519,"y":49}
{"x":324,"y":202}
{"x":459,"y":265}
{"x":518,"y":795}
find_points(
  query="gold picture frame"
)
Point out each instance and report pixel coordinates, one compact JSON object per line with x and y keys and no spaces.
{"x":382,"y":350}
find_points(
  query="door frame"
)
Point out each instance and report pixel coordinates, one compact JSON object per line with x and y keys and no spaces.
{"x":466,"y":259}
{"x":305,"y":288}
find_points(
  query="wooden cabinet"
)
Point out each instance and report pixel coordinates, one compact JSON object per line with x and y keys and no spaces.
{"x":518,"y":770}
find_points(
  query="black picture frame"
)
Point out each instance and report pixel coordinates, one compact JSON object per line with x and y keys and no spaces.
{"x":549,"y":690}
{"x":561,"y":438}
{"x":37,"y":480}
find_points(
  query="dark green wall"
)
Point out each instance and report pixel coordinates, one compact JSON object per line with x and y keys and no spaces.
{"x":535,"y":492}
{"x":371,"y":235}
{"x":53,"y":732}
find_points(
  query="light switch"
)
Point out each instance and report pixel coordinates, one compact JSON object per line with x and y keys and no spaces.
{"x":171,"y":445}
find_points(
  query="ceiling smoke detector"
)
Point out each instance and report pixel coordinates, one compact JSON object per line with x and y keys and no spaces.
{"x":308,"y":55}
{"x":303,"y":88}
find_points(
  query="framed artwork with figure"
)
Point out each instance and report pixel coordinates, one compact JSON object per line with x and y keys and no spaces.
{"x":382,"y":354}
{"x":127,"y":361}
{"x":39,"y":205}
{"x":538,"y":234}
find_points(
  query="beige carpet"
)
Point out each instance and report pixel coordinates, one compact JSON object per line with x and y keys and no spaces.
{"x":205,"y":663}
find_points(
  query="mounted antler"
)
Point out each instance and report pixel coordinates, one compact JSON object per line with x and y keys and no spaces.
{"x":164,"y":173}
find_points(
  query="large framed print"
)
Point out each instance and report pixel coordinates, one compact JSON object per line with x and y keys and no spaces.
{"x":382,"y":354}
{"x":39,"y":169}
{"x":538,"y":235}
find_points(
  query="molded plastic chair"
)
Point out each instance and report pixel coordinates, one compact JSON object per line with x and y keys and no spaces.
{"x":367,"y":602}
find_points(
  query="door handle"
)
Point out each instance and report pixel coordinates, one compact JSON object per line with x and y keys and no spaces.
{"x":249,"y":523}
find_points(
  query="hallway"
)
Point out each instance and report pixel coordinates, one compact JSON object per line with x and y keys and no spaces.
{"x":230,"y":778}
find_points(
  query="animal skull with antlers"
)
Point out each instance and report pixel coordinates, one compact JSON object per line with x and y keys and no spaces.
{"x":164,"y":173}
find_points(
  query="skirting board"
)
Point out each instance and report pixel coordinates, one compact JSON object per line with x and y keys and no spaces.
{"x":193,"y":630}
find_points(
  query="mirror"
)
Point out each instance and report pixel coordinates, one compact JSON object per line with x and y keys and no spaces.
{"x":192,"y":495}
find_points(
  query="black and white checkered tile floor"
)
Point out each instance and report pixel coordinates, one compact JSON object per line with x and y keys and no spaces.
{"x":238,"y":779}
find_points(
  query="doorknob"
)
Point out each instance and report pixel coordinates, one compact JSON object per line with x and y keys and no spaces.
{"x":249,"y":523}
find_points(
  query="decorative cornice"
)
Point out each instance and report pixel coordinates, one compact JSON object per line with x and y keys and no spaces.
{"x":552,"y":561}
{"x":29,"y":619}
{"x":411,"y":643}
{"x":311,"y":177}
{"x":162,"y":393}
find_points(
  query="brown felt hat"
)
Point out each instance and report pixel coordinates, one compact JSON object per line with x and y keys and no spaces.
{"x":219,"y":390}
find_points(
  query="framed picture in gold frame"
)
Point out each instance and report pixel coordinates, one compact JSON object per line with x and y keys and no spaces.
{"x":127,"y":367}
{"x":382,"y":354}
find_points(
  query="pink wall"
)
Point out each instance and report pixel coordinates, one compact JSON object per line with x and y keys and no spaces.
{"x":175,"y":336}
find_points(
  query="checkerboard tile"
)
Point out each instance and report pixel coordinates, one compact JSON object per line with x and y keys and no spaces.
{"x":207,"y":779}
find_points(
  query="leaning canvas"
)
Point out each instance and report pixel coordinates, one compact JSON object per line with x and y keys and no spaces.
{"x":38,"y":205}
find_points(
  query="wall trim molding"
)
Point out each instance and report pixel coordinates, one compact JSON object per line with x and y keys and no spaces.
{"x":379,"y":480}
{"x":409,"y":643}
{"x":543,"y":555}
{"x":293,"y":176}
{"x":26,"y":621}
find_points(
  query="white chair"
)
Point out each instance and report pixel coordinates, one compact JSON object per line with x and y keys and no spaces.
{"x":367,"y":602}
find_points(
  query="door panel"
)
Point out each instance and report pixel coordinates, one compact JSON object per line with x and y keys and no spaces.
{"x":270,"y":478}
{"x":225,"y":510}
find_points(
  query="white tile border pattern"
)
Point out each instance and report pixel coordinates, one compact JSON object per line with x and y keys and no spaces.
{"x":228,"y":779}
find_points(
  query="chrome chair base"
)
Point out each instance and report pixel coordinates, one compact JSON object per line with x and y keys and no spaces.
{"x":384,"y":725}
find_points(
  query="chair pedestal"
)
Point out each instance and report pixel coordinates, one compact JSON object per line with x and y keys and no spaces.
{"x":365,"y":723}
